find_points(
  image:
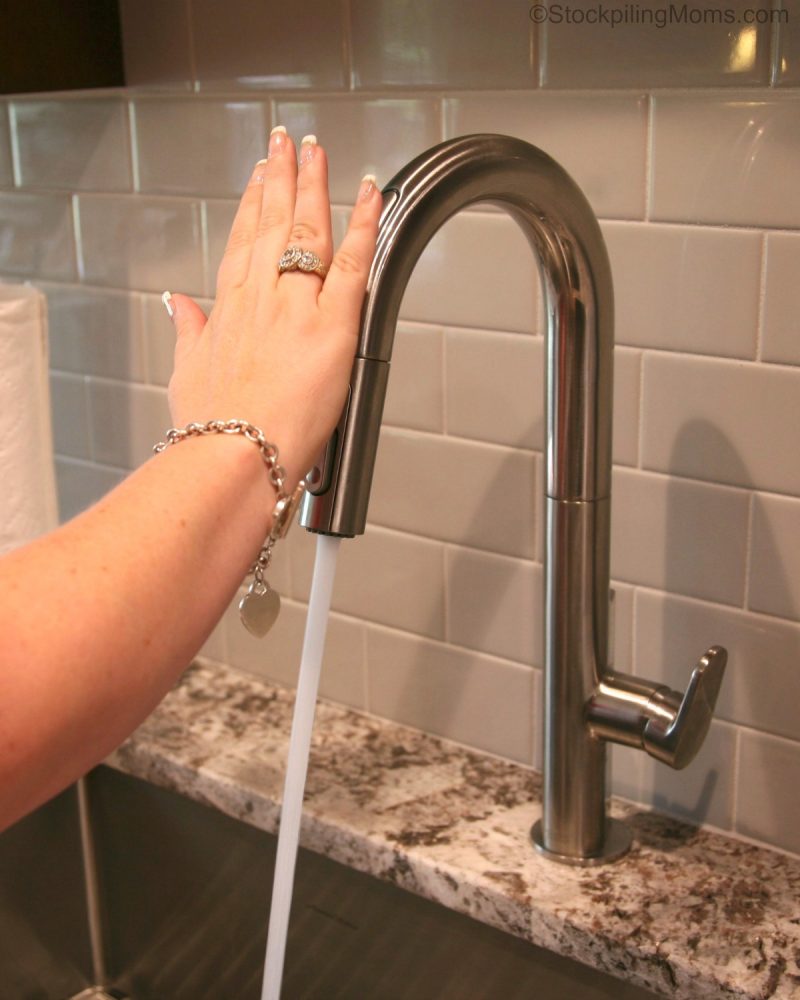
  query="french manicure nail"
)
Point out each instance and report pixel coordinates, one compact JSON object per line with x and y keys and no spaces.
{"x":166,"y":298}
{"x":258,"y":172}
{"x":307,"y":148}
{"x":368,"y":185}
{"x":277,"y":139}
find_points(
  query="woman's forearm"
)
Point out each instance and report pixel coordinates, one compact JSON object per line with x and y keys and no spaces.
{"x":107,"y":610}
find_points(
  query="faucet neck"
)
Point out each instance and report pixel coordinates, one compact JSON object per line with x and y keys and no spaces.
{"x":576,"y":279}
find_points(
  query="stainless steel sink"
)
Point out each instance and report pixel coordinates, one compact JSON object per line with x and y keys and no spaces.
{"x":183,"y":896}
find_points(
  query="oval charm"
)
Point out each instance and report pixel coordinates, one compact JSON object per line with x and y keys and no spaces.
{"x":259,"y":611}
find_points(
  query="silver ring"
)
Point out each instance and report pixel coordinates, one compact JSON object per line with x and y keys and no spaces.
{"x":295,"y":258}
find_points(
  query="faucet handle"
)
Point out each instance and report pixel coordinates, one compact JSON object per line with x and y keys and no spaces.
{"x":677,"y":726}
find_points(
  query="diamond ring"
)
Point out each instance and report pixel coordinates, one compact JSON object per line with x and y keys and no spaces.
{"x":295,"y":258}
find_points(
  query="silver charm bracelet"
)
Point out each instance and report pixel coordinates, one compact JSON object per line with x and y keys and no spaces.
{"x":260,"y":606}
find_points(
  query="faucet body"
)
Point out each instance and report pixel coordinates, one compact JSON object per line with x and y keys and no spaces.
{"x":587,"y":704}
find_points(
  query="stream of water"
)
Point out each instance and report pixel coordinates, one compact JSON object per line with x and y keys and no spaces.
{"x":297,"y":765}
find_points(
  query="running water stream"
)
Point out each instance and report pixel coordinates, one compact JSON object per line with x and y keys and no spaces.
{"x":297,"y":765}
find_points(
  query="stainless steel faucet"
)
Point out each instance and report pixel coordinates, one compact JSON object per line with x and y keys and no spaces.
{"x":587,"y":703}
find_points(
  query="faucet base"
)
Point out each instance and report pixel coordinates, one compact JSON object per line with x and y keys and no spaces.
{"x":616,"y":844}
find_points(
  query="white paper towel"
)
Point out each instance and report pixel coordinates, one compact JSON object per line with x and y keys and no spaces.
{"x":28,"y":499}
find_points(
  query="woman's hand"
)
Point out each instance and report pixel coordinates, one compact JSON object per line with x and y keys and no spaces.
{"x":277,"y":349}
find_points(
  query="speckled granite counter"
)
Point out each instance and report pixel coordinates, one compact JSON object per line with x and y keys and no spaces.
{"x":687,"y":914}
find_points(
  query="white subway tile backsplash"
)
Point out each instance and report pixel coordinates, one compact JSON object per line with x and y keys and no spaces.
{"x":36,"y":236}
{"x":126,"y":421}
{"x":781,"y":316}
{"x":414,"y":397}
{"x":685,"y":288}
{"x":156,"y":43}
{"x":627,"y":397}
{"x":679,"y":536}
{"x":725,"y":160}
{"x":768,"y":807}
{"x":95,"y":332}
{"x":461,"y":696}
{"x":6,"y":164}
{"x":494,"y":604}
{"x":219,"y":219}
{"x":69,"y":405}
{"x":160,"y":337}
{"x":495,"y":391}
{"x":420,"y":44}
{"x":268,"y":45}
{"x":277,"y":656}
{"x":197,"y":146}
{"x":362,"y":136}
{"x":761,"y":688}
{"x":215,"y":646}
{"x":495,"y":387}
{"x":775,"y":556}
{"x":392,"y":578}
{"x":702,"y":792}
{"x":621,"y":627}
{"x":79,"y":144}
{"x":142,"y":243}
{"x":458,"y":491}
{"x":600,"y":140}
{"x":477,"y":271}
{"x":710,"y":419}
{"x":647,"y":47}
{"x":80,"y":484}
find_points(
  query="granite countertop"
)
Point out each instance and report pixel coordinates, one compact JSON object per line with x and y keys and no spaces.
{"x":687,"y":913}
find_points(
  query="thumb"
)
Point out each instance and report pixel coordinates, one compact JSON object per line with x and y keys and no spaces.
{"x":186,"y":315}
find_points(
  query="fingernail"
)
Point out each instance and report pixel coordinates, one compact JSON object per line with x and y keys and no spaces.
{"x":307,"y":148}
{"x":277,"y":139}
{"x":166,"y":298}
{"x":258,"y":172}
{"x":368,"y":185}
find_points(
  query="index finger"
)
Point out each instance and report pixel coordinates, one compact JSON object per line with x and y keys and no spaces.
{"x":346,"y":281}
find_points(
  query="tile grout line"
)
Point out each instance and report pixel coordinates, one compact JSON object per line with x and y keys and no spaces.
{"x":347,"y":46}
{"x":649,"y":157}
{"x":748,"y":551}
{"x":762,"y":298}
{"x":640,"y":436}
{"x":192,"y":48}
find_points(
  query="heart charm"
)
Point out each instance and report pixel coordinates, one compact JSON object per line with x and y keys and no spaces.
{"x":259,"y":611}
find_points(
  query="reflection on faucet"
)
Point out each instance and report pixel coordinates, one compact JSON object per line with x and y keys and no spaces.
{"x":586,"y":703}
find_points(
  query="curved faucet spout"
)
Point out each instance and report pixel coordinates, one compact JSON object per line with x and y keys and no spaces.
{"x":576,"y":279}
{"x":569,"y":252}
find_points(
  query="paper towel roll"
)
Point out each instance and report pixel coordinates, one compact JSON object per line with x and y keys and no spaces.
{"x":28,"y":499}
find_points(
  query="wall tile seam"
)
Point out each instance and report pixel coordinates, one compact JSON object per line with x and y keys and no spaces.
{"x":131,"y":383}
{"x":398,"y":632}
{"x":712,"y":606}
{"x":207,"y":91}
{"x":445,"y":740}
{"x":679,"y":477}
{"x":90,"y":464}
{"x":784,"y":742}
{"x":722,"y":360}
{"x":414,"y":432}
{"x":458,"y":328}
{"x":140,"y":197}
